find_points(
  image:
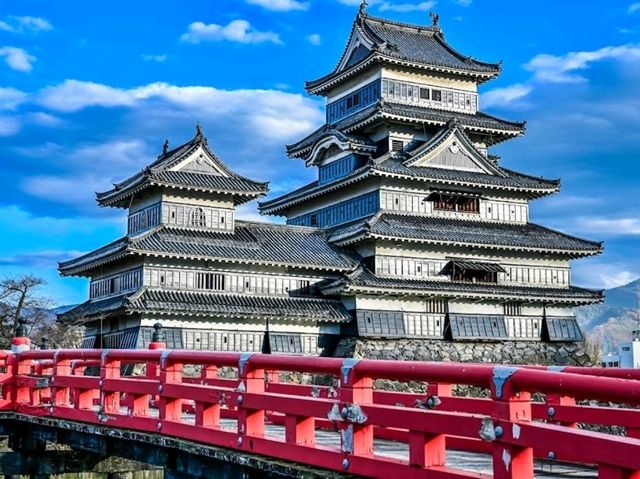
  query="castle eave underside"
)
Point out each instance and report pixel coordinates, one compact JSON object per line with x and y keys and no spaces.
{"x":366,"y":282}
{"x":250,"y":243}
{"x":160,"y":303}
{"x":527,"y":237}
{"x":512,"y":181}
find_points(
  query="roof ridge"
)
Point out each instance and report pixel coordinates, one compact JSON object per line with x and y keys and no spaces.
{"x":397,"y":23}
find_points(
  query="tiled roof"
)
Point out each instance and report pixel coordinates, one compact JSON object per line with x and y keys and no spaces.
{"x":95,"y":308}
{"x":384,"y":109}
{"x":95,"y":258}
{"x":438,"y":230}
{"x":395,"y":42}
{"x":154,"y":301}
{"x":510,"y":179}
{"x":238,"y":306}
{"x":365,"y":280}
{"x":159,"y":173}
{"x":250,"y":243}
{"x":391,"y":166}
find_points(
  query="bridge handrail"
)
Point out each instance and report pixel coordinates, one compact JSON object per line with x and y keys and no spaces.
{"x":51,"y":383}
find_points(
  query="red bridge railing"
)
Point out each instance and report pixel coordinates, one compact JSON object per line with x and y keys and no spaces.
{"x":259,"y":413}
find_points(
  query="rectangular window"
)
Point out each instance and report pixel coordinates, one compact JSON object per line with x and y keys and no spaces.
{"x":436,"y":95}
{"x":435,"y":306}
{"x":210,"y":281}
{"x":424,"y":93}
{"x":445,"y":202}
{"x":397,"y":145}
{"x":513,"y":309}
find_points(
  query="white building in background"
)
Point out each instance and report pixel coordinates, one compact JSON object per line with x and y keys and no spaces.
{"x":628,"y":356}
{"x":411,"y":230}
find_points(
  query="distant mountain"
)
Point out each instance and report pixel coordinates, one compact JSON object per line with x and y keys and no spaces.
{"x":613,"y":321}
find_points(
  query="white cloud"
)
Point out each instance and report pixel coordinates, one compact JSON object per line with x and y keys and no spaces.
{"x":634,"y":7}
{"x":10,"y":98}
{"x":71,"y":190}
{"x":9,"y":126}
{"x":45,"y":119}
{"x":315,"y":39}
{"x":154,"y":58}
{"x":17,"y":58}
{"x":280,"y":5}
{"x":285,"y":114}
{"x":561,"y":69}
{"x":23,"y":24}
{"x":505,"y":95}
{"x":610,"y":226}
{"x":74,"y":95}
{"x":594,"y":273}
{"x":406,"y":7}
{"x":239,"y":31}
{"x":463,"y":3}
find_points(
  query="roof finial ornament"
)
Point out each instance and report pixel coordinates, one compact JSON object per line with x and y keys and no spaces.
{"x":435,"y":18}
{"x":363,"y":6}
{"x":165,"y":146}
{"x":198,"y":130}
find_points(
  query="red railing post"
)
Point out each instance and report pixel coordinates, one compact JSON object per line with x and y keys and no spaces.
{"x":109,"y":369}
{"x":509,"y":407}
{"x":60,"y":395}
{"x":170,"y":409}
{"x":355,"y":390}
{"x":208,"y":414}
{"x":429,"y":449}
{"x":250,"y":421}
{"x":554,"y":401}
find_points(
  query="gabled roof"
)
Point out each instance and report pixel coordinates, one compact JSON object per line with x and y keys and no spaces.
{"x":414,"y":165}
{"x":378,"y":40}
{"x":250,"y":243}
{"x":345,"y":142}
{"x":169,"y":171}
{"x":365,"y":281}
{"x":494,"y":129}
{"x":212,"y":304}
{"x":453,"y":141}
{"x":449,"y":231}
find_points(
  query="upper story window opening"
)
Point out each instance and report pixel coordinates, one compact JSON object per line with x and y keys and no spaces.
{"x":455,"y":202}
{"x":513,"y":308}
{"x":198,"y":217}
{"x":472,"y":271}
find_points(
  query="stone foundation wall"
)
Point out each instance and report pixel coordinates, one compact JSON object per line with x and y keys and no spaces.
{"x":507,"y":352}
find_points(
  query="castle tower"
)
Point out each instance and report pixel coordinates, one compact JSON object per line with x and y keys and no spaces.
{"x":405,"y":180}
{"x":214,"y":282}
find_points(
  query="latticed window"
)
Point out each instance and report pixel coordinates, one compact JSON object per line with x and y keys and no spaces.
{"x":211,"y":281}
{"x":198,"y":217}
{"x":435,"y":306}
{"x":513,"y":309}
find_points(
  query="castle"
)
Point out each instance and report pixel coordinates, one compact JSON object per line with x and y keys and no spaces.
{"x":412,"y":230}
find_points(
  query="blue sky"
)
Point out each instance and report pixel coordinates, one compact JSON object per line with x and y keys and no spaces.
{"x":88,"y":93}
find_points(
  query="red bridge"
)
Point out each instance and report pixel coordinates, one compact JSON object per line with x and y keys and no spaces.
{"x":260,"y":415}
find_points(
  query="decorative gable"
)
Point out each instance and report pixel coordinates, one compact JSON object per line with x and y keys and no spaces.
{"x":357,"y":48}
{"x":451,"y":149}
{"x":200,"y":161}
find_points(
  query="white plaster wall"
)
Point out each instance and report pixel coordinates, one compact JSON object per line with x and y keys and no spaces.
{"x":430,"y":79}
